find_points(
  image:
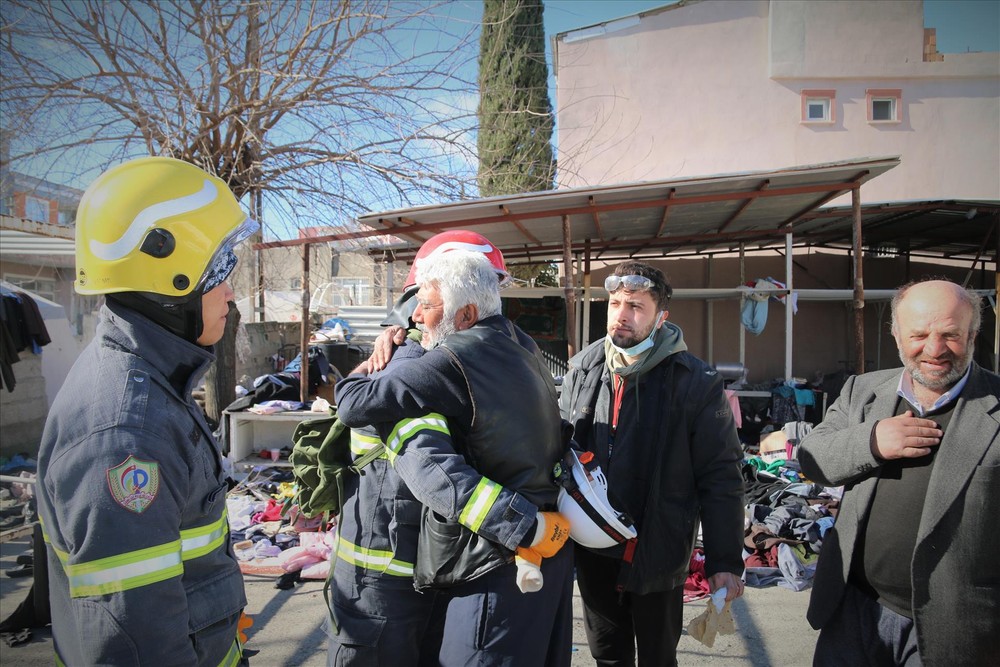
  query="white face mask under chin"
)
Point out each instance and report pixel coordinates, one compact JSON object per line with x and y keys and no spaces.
{"x":642,"y":345}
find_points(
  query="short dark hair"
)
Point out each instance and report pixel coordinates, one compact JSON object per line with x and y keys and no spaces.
{"x":661,"y":289}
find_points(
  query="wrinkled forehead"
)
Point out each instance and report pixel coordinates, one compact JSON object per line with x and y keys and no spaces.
{"x":934,"y":310}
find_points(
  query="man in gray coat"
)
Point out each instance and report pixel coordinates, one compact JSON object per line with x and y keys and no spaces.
{"x":910,"y":573}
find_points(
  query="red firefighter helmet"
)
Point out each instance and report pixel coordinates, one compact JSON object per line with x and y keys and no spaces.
{"x":459,"y":239}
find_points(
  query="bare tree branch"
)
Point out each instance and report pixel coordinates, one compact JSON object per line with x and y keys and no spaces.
{"x":328,"y":108}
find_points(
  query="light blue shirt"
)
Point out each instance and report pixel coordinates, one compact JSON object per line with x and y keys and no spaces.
{"x":905,"y":391}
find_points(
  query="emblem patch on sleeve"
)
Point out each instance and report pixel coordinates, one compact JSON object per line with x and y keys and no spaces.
{"x":134,"y":483}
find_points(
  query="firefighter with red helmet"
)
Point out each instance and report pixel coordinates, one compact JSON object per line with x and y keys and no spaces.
{"x":381,"y":618}
{"x":131,"y":491}
{"x":473,"y":523}
{"x":399,"y":319}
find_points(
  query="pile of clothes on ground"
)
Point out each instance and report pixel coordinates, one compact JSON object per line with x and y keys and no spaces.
{"x":271,"y":536}
{"x":18,"y":510}
{"x":17,"y":499}
{"x":786,"y":519}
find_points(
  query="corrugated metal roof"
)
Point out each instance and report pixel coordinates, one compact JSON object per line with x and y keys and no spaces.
{"x":22,"y":243}
{"x":36,"y":243}
{"x":650,"y":219}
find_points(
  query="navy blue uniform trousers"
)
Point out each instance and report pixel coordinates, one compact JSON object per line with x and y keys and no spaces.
{"x":491,"y":622}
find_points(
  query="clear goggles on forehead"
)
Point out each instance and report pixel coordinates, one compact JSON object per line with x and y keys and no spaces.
{"x":631,"y":283}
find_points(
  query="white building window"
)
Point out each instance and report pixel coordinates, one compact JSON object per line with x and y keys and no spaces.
{"x":36,"y":209}
{"x":818,"y":106}
{"x":342,"y":292}
{"x":42,"y":286}
{"x":884,"y":105}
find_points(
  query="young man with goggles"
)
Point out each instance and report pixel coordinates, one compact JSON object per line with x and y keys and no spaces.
{"x":657,"y":421}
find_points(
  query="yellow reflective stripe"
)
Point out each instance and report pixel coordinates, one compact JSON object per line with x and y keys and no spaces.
{"x":361,"y":444}
{"x":233,"y":657}
{"x":474,"y":512}
{"x":408,"y":428}
{"x":199,"y":541}
{"x":125,"y":572}
{"x":373,"y":559}
{"x":60,"y":554}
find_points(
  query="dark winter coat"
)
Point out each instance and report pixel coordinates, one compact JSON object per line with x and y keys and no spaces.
{"x":676,"y":458}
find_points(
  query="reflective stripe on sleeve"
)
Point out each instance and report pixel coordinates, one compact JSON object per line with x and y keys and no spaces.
{"x":361,"y":444}
{"x":115,"y":574}
{"x":372,"y":559}
{"x":125,"y":572}
{"x":199,"y":541}
{"x":475,"y":511}
{"x":406,"y":429}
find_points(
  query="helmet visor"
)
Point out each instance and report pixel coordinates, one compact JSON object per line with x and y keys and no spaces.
{"x":224,"y":260}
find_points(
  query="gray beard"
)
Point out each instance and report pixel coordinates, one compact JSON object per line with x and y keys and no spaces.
{"x":438,"y":334}
{"x":939,"y":382}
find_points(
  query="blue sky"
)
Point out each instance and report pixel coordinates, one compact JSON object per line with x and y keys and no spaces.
{"x":962,"y":25}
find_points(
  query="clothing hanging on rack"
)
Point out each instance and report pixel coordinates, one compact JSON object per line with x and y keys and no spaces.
{"x":21,"y":327}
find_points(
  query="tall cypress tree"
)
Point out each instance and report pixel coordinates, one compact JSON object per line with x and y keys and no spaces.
{"x":515,"y":115}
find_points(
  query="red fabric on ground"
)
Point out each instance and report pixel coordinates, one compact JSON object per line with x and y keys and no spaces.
{"x":696,"y":585}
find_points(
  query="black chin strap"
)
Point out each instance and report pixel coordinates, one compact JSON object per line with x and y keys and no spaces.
{"x":181,"y":318}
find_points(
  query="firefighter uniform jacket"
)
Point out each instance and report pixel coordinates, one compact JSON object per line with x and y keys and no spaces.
{"x":132,"y":502}
{"x":460,"y":397}
{"x":378,"y":525}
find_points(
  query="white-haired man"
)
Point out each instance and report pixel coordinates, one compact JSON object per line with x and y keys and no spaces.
{"x":473,"y":429}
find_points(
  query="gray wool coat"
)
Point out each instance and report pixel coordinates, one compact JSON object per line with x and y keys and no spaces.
{"x":956,"y":561}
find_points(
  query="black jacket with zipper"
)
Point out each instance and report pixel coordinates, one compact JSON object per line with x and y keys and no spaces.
{"x":675,"y":458}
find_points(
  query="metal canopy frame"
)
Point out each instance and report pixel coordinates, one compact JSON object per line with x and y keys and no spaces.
{"x":657,"y":218}
{"x":696,"y":217}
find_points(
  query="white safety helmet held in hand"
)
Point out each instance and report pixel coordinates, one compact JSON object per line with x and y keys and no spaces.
{"x":583,"y":499}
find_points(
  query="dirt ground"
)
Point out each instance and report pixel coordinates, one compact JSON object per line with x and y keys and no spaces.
{"x":771,"y":628}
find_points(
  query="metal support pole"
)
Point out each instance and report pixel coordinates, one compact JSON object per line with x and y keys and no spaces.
{"x":257,"y":275}
{"x":996,"y":313}
{"x":304,"y":338}
{"x":568,"y":290}
{"x":788,"y":306}
{"x":859,"y":285}
{"x":388,"y":285}
{"x":585,"y":334}
{"x":709,"y":313}
{"x":743,"y":329}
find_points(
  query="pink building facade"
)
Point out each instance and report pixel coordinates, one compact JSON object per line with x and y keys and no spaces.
{"x":723,"y":86}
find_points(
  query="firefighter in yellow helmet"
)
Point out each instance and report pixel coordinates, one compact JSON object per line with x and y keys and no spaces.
{"x":131,"y":491}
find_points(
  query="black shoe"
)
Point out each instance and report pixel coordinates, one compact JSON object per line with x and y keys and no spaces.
{"x":288,"y":580}
{"x":20,"y":571}
{"x":26,"y":559}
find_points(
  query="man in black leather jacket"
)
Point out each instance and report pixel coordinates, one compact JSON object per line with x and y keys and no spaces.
{"x":473,"y":429}
{"x":661,"y":428}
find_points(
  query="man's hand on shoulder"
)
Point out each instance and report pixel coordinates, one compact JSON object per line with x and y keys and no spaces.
{"x":386,"y":343}
{"x":905,"y":437}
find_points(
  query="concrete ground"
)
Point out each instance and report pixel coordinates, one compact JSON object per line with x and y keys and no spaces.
{"x":771,"y":627}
